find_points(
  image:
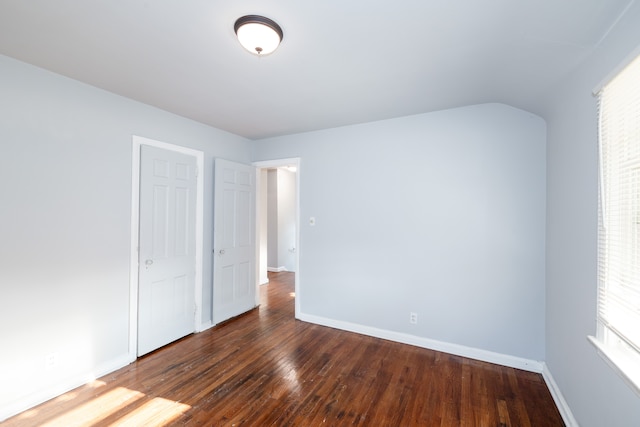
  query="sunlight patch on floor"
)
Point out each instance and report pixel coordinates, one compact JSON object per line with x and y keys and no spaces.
{"x":136,"y":409}
{"x":69,"y":396}
{"x":96,"y":409}
{"x":156,"y":412}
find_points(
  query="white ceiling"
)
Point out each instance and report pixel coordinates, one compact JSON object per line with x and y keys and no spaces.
{"x":341,"y":62}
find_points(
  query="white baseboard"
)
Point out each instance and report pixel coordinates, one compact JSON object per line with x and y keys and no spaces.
{"x":69,"y":384}
{"x":276,"y":269}
{"x":558,"y":398}
{"x":204,"y":326}
{"x":459,"y":350}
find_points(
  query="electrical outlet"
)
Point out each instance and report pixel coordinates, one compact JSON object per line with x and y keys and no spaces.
{"x":51,"y":360}
{"x":413,"y":318}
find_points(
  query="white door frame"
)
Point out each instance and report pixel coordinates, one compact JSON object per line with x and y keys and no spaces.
{"x":137,"y":142}
{"x":295,"y":161}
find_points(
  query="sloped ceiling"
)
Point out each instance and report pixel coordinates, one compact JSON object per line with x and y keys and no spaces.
{"x":341,"y":62}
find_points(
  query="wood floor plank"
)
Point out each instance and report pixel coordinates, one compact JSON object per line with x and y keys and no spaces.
{"x":265,"y":368}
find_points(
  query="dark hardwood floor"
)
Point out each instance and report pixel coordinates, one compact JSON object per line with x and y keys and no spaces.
{"x":265,"y":368}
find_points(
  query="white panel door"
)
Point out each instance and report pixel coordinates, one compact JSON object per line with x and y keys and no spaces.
{"x":234,"y":284}
{"x":166,"y":307}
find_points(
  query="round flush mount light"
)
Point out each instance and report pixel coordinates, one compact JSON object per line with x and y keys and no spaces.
{"x":257,"y":34}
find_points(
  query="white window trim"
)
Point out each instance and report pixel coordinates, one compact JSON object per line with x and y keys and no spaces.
{"x":627,"y":369}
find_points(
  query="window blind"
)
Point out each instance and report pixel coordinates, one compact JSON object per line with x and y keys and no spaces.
{"x":619,"y":217}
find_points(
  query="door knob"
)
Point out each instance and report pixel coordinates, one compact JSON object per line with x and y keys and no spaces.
{"x":221,"y":252}
{"x":148,"y":262}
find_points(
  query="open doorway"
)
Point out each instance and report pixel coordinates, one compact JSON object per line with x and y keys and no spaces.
{"x":278,"y":220}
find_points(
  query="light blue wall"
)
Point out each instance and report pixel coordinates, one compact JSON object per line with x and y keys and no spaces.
{"x":596,"y":395}
{"x":442,"y":214}
{"x":65,"y":168}
{"x":286,"y":219}
{"x":272,"y":218}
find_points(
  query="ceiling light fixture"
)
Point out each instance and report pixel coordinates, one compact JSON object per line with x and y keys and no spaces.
{"x":257,"y":34}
